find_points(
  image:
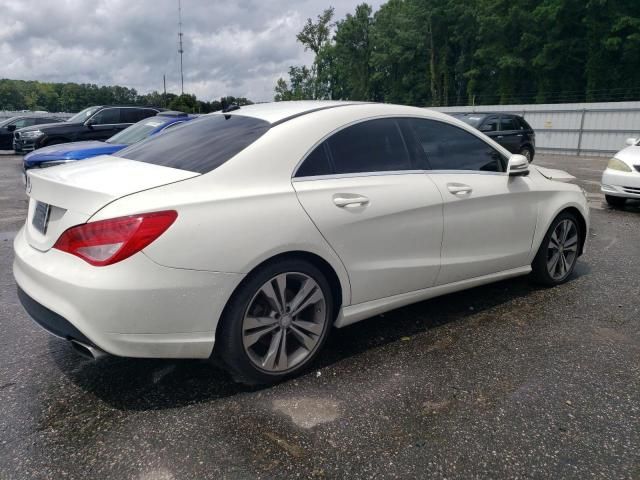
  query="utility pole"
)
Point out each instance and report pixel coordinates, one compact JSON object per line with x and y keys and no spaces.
{"x":164,"y":96}
{"x":180,"y":50}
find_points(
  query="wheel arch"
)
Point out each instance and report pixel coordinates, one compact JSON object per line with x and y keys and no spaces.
{"x":316,"y":260}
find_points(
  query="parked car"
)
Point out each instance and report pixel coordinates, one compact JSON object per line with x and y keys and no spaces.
{"x":10,"y":125}
{"x":621,"y":178}
{"x":92,"y":123}
{"x":257,"y":230}
{"x":511,"y":131}
{"x":71,"y":152}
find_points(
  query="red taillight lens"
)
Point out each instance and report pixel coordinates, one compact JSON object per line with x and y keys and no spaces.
{"x":109,"y":241}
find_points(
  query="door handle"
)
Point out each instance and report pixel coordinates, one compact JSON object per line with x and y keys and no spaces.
{"x":343,"y":200}
{"x":519,"y":135}
{"x":499,"y":136}
{"x":459,"y":189}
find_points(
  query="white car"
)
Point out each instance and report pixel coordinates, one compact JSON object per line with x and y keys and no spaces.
{"x":621,"y":179}
{"x":257,"y":230}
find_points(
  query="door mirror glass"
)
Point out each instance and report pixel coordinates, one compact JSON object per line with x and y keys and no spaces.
{"x":518,"y":166}
{"x":631,"y":141}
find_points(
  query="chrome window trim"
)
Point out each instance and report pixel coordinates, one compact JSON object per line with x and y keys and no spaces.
{"x":395,"y":172}
{"x":467,"y":128}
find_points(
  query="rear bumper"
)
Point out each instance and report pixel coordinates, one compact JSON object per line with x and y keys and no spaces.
{"x":621,"y":184}
{"x":135,"y":308}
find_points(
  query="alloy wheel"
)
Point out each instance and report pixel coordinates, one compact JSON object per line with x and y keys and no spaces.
{"x":284,"y":323}
{"x":563,"y":249}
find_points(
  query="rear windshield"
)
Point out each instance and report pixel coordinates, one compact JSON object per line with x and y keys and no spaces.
{"x":200,"y":145}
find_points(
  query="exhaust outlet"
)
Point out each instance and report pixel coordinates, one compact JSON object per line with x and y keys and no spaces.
{"x":88,"y":351}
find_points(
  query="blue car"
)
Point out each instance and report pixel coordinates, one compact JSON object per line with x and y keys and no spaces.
{"x":71,"y":152}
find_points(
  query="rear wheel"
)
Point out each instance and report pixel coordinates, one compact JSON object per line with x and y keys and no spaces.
{"x":558,"y":252}
{"x":528,"y":153}
{"x":615,"y":201}
{"x":276,"y":322}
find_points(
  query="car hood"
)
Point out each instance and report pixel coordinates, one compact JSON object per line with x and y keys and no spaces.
{"x":70,"y":151}
{"x":46,"y":126}
{"x":553,"y":174}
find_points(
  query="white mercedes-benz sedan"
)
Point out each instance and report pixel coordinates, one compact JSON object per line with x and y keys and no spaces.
{"x":621,"y":178}
{"x":249,"y":234}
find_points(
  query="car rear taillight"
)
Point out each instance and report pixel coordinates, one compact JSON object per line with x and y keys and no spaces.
{"x":109,"y":241}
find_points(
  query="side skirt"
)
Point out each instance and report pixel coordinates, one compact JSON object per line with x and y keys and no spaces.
{"x":354,"y":313}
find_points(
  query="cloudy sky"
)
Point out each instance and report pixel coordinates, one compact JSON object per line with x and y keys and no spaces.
{"x":232,"y":47}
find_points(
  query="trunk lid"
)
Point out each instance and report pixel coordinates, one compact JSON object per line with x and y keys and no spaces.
{"x":67,"y":195}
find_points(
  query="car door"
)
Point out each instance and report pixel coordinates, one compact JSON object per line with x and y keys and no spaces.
{"x":381,"y":215}
{"x":510,"y":133}
{"x":489,"y":217}
{"x":103,"y":124}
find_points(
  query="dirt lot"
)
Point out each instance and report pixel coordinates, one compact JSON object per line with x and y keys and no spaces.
{"x":503,"y":381}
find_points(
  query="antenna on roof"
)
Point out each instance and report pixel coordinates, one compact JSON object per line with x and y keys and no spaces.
{"x":180,"y":50}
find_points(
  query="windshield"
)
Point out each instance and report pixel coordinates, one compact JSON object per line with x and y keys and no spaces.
{"x":83,"y":115}
{"x":7,"y":121}
{"x":473,"y":120}
{"x":199,"y":145}
{"x":136,"y":132}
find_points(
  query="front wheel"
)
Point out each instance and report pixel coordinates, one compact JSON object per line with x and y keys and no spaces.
{"x":276,"y":322}
{"x":558,"y":252}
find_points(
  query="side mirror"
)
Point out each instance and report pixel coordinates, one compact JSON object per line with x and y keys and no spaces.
{"x":518,"y":166}
{"x":486,"y":128}
{"x":631,"y":141}
{"x":11,"y":128}
{"x":90,"y":123}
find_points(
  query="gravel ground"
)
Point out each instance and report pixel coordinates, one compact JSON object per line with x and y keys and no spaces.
{"x":504,"y":381}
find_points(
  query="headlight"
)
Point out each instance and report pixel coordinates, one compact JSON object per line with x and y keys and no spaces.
{"x":615,"y":164}
{"x":31,"y":134}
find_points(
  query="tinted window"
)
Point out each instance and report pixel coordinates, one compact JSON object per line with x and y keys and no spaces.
{"x":491,"y":125}
{"x":107,"y":116}
{"x":372,"y":146}
{"x":451,"y":148}
{"x":133,"y":115}
{"x":46,"y":120}
{"x":508,"y":123}
{"x":24,"y":122}
{"x":471,"y":119}
{"x":316,"y":163}
{"x":200,"y":145}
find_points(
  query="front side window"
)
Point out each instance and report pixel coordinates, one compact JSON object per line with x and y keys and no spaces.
{"x":200,"y":145}
{"x":24,"y":122}
{"x":83,"y":115}
{"x":108,"y":116}
{"x":491,"y":125}
{"x":451,"y":148}
{"x":133,"y":115}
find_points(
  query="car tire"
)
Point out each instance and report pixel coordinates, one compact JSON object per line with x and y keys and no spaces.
{"x":527,"y":152}
{"x":558,"y":253}
{"x":615,"y":202}
{"x":257,"y":327}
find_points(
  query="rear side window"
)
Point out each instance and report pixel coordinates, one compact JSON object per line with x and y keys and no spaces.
{"x":508,"y":123}
{"x":451,"y":148}
{"x":200,"y":145}
{"x":371,"y":146}
{"x":133,"y":115}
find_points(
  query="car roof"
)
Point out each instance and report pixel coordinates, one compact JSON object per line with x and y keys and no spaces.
{"x":278,"y":112}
